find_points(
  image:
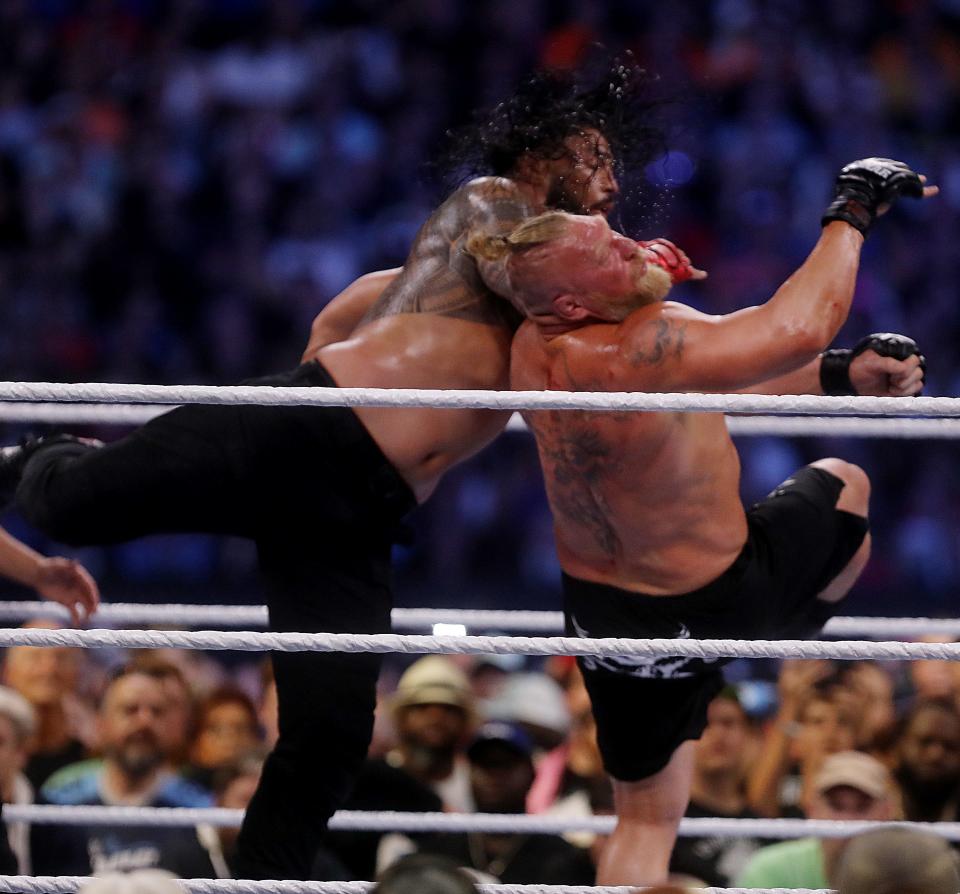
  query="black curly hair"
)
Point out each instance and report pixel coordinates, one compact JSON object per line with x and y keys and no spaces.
{"x":618,"y":100}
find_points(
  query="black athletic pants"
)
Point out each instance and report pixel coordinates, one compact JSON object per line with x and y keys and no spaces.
{"x":314,"y":491}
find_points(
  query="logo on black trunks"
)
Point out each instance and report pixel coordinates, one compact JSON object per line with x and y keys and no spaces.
{"x":665,"y":668}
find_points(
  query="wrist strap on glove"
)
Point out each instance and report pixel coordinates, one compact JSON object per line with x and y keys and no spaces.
{"x":835,"y":363}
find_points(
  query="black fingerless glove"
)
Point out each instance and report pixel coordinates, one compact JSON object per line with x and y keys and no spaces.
{"x":863,"y":186}
{"x":835,"y":363}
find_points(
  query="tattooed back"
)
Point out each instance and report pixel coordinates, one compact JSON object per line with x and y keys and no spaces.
{"x":647,"y":502}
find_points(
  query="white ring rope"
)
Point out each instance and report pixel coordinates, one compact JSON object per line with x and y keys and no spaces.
{"x":460,"y":399}
{"x":67,"y":884}
{"x":404,"y":821}
{"x":612,"y":647}
{"x":739,"y":426}
{"x":526,"y":621}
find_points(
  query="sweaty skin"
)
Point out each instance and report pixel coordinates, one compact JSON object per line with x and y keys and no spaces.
{"x":435,"y":324}
{"x":650,"y":502}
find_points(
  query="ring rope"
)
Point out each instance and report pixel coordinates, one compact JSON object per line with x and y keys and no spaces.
{"x":67,"y":884}
{"x":611,"y":647}
{"x":526,"y":621}
{"x":479,"y":399}
{"x":503,"y":823}
{"x":739,"y":426}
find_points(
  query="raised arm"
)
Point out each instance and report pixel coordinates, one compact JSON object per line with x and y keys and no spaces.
{"x":340,"y":317}
{"x":697,"y":352}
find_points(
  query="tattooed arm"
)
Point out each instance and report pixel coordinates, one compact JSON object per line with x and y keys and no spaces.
{"x":439,"y":275}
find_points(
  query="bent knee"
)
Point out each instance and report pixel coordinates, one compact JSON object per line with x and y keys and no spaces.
{"x":855,"y":496}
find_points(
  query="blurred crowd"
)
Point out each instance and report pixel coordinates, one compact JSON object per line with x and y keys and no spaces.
{"x":184,"y":185}
{"x":488,"y":734}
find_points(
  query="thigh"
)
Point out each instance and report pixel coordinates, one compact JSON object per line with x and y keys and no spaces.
{"x":179,"y":473}
{"x":641,"y":722}
{"x":803,"y":542}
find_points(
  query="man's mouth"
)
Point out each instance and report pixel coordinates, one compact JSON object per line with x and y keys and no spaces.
{"x":603,"y":208}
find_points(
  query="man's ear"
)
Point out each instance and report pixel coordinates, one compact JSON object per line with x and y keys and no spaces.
{"x":568,"y":307}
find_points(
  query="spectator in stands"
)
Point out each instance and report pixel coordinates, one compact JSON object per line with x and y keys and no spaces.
{"x":808,"y":726}
{"x":178,"y":723}
{"x":501,"y":772}
{"x":928,"y":762}
{"x":931,"y":679}
{"x":134,"y":772}
{"x":719,"y":789}
{"x":47,"y":678}
{"x":571,"y":778}
{"x":433,"y":714}
{"x":535,"y":702}
{"x":898,"y":861}
{"x":863,"y":694}
{"x":850,"y":785}
{"x":17,"y":725}
{"x":227,"y":729}
{"x":233,"y":786}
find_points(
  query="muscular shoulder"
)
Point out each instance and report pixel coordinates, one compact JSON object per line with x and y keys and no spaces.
{"x":495,"y":202}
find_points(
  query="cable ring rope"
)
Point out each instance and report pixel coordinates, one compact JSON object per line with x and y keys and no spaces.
{"x":618,"y":401}
{"x":739,"y":426}
{"x":412,"y":644}
{"x":517,"y":620}
{"x":403,"y":821}
{"x":67,"y":884}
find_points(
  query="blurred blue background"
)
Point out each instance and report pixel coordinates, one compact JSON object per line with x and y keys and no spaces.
{"x":184,"y":184}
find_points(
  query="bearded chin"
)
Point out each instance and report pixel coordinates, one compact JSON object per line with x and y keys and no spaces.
{"x":654,"y":285}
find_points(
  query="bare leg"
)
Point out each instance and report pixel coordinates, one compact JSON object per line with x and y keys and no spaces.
{"x":648,"y":813}
{"x":854,"y":498}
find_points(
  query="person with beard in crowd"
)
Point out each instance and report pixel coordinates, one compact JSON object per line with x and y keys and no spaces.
{"x":928,"y":762}
{"x":133,"y":773}
{"x":433,"y":713}
{"x":718,"y":789}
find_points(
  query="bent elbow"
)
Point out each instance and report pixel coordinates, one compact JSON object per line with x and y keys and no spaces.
{"x":810,"y":337}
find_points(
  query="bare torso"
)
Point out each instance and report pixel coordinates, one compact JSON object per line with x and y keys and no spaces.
{"x":647,"y":502}
{"x":436,"y":326}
